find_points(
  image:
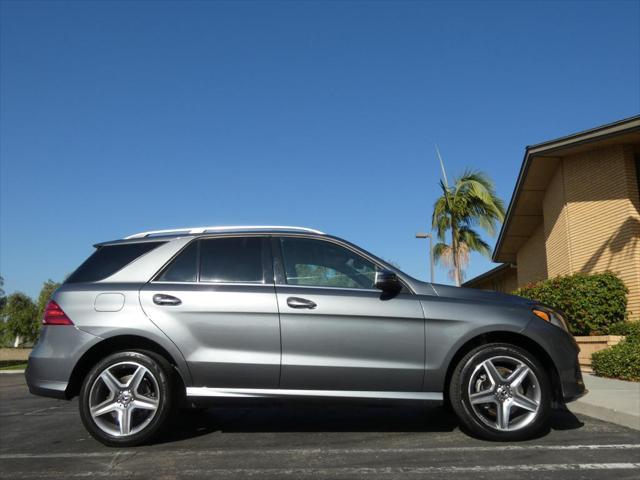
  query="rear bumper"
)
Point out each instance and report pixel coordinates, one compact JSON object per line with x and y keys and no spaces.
{"x":54,"y":357}
{"x":47,"y":389}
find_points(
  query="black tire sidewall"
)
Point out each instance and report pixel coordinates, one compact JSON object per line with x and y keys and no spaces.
{"x":460,"y":396}
{"x":159,"y":368}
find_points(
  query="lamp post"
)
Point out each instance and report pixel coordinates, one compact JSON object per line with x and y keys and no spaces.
{"x":429,"y":236}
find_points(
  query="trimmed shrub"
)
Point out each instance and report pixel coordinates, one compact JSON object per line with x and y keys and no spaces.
{"x":591,"y":303}
{"x":620,"y":361}
{"x":631,"y":330}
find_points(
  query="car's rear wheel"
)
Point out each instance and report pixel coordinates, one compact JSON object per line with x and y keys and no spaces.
{"x":126,"y":397}
{"x":501,"y":392}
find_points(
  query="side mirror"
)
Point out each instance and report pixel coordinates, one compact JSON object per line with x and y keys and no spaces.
{"x":387,"y":281}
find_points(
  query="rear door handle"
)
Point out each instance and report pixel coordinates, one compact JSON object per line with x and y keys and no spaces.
{"x":162,"y":299}
{"x":297,"y":302}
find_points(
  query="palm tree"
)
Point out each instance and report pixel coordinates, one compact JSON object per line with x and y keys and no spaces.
{"x":471,"y":201}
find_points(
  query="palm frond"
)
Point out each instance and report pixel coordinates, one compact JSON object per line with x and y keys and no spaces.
{"x":470,"y":201}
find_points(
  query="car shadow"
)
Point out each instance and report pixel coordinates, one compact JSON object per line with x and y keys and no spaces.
{"x":293,"y":418}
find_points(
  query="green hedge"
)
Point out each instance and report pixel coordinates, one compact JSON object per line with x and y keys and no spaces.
{"x":591,"y":303}
{"x":631,"y":330}
{"x":620,"y":361}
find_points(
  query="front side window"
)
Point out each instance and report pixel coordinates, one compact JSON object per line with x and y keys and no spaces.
{"x":233,"y":259}
{"x":319,"y":263}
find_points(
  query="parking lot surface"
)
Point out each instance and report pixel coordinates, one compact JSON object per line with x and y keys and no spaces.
{"x":44,"y":438}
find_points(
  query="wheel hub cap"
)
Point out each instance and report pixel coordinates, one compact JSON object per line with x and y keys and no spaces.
{"x":125,"y":397}
{"x":503,"y":393}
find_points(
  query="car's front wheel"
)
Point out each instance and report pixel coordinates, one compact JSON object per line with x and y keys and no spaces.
{"x":126,"y":397}
{"x":501,"y":392}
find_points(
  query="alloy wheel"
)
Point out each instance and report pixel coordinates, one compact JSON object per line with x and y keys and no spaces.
{"x":504,"y":393}
{"x":124,"y":398}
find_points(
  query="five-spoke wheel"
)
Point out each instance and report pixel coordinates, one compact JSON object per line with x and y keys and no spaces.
{"x":125,"y":398}
{"x":504,"y":393}
{"x":501,"y":392}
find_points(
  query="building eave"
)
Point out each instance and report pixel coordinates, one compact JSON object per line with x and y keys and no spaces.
{"x":487,"y":274}
{"x":605,"y":134}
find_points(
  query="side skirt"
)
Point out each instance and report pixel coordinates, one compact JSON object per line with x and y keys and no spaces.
{"x":280,"y":393}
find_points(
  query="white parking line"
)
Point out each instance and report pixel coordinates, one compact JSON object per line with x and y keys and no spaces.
{"x":325,"y":451}
{"x":296,"y":472}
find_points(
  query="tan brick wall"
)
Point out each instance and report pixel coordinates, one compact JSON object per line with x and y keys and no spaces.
{"x":556,"y":231}
{"x":531,"y":258}
{"x":604,"y":223}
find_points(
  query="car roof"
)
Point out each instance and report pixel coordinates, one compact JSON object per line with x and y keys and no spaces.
{"x":169,"y":234}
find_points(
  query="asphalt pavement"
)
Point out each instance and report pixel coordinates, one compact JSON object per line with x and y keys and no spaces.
{"x":44,"y":438}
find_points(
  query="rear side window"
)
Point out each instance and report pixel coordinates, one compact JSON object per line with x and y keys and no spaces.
{"x":220,"y":260}
{"x":184,"y":268}
{"x":234,"y":259}
{"x":108,"y":259}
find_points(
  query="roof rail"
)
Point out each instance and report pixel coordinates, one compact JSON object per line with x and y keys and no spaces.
{"x":196,"y":230}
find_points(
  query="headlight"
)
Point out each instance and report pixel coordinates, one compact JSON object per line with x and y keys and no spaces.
{"x":551,"y":316}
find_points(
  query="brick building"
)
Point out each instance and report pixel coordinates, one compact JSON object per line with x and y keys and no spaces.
{"x":575,"y":208}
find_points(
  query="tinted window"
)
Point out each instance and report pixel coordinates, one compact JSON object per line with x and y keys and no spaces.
{"x":184,"y":267}
{"x":108,"y":259}
{"x":325,"y":264}
{"x":232,"y":260}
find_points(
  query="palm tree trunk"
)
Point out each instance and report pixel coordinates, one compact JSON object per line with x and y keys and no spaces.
{"x":454,"y":252}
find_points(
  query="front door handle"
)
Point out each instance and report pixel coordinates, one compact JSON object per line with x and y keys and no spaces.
{"x":162,"y":299}
{"x":297,"y":302}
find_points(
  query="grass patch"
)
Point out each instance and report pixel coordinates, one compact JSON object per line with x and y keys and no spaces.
{"x":13,"y":365}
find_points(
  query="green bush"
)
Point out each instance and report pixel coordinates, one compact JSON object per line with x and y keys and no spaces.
{"x":631,"y":330}
{"x":620,"y":361}
{"x":591,"y":303}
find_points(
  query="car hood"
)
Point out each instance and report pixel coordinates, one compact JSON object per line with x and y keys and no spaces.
{"x":478,"y":295}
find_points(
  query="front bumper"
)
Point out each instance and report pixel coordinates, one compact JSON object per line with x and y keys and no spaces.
{"x":571,"y":384}
{"x":563,"y":351}
{"x":54,"y":357}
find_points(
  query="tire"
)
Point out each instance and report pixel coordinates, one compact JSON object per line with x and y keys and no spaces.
{"x":509,"y":402}
{"x":126,"y":397}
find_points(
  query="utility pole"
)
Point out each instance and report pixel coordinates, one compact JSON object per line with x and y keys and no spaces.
{"x":430,"y":237}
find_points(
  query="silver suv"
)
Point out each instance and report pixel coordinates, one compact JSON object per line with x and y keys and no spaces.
{"x":178,"y":317}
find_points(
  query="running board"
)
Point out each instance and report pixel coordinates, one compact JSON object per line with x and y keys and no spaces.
{"x":276,"y":392}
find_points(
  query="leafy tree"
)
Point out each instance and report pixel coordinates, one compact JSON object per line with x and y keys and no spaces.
{"x":21,"y":316}
{"x":45,"y":294}
{"x":3,"y":298}
{"x":4,"y":333}
{"x":471,"y":201}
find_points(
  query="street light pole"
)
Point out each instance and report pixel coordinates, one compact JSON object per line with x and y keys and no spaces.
{"x":430,"y":237}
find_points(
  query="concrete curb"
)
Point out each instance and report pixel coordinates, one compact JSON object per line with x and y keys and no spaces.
{"x":10,"y":372}
{"x":606,"y":414}
{"x":611,"y":400}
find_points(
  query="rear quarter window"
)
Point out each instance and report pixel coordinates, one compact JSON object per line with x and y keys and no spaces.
{"x":108,"y":259}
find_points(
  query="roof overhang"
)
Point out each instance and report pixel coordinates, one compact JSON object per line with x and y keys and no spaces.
{"x":472,"y":282}
{"x":524,"y":214}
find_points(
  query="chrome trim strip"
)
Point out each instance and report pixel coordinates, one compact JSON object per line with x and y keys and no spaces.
{"x":230,"y":228}
{"x":276,"y":392}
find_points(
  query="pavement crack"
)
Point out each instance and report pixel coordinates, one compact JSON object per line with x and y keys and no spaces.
{"x":119,"y":459}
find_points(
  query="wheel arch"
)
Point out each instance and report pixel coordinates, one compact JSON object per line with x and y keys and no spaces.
{"x":111,"y":345}
{"x":512,"y":338}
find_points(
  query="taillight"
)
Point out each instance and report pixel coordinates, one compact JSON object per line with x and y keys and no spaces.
{"x":54,"y":315}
